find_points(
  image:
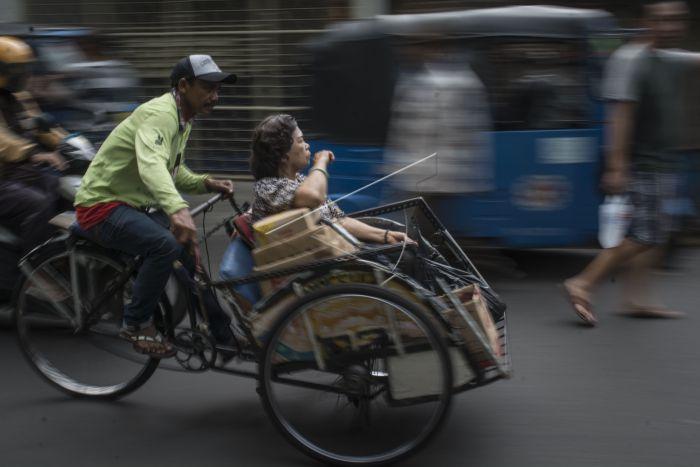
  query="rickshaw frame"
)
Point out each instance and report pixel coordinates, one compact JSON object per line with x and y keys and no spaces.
{"x":306,"y":286}
{"x":431,"y":302}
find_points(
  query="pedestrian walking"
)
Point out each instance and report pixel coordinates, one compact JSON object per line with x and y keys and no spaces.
{"x":642,"y":160}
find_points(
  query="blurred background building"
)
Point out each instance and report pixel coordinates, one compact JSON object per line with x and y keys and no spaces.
{"x":258,"y":39}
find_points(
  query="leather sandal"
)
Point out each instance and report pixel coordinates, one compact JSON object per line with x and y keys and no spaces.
{"x":156,"y":345}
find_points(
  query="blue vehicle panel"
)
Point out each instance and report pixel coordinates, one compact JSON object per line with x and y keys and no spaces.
{"x":546,"y":188}
{"x":542,"y":69}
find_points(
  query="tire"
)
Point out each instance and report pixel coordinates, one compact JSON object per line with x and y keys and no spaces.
{"x":362,"y":383}
{"x":92,"y":362}
{"x":9,"y":255}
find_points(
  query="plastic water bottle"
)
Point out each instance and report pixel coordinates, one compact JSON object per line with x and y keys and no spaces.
{"x":614,"y":217}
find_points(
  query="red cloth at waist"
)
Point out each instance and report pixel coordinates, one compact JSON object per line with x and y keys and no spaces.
{"x":90,"y":216}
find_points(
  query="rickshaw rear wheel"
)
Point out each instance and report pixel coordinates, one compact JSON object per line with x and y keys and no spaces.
{"x":392,"y":385}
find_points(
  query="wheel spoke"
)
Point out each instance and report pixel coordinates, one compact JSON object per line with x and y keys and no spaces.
{"x":88,"y":361}
{"x":367,"y":377}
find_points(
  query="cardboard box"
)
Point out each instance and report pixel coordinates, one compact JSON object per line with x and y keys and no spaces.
{"x":334,"y":328}
{"x":474,"y":303}
{"x":307,"y":240}
{"x":284,"y":225}
{"x":269,"y":286}
{"x":348,"y":323}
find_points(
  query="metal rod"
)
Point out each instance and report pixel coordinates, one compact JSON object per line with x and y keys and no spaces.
{"x":247,"y":374}
{"x":308,"y":385}
{"x":347,"y":195}
{"x":206,"y":205}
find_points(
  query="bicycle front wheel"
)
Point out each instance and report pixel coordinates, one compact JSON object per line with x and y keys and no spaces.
{"x":356,"y":374}
{"x":80,"y":356}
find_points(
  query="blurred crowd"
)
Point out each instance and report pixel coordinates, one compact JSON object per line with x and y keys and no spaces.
{"x":54,"y":86}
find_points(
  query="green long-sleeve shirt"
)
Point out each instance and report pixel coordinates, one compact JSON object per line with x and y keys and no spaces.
{"x":138,"y":163}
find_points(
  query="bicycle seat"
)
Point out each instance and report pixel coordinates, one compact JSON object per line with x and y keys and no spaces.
{"x":67,"y":221}
{"x":64,"y":220}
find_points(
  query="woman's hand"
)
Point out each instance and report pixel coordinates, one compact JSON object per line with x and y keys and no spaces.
{"x":393,"y":236}
{"x":324,"y":158}
{"x":367,"y":233}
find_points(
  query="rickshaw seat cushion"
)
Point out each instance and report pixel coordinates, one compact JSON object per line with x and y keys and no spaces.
{"x":236,"y":263}
{"x":243,"y":226}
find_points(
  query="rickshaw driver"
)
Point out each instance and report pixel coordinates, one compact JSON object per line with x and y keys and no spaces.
{"x":139,"y":167}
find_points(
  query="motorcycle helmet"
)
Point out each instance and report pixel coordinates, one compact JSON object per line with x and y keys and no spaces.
{"x":16,"y":58}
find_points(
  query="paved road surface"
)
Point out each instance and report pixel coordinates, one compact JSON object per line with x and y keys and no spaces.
{"x":624,"y":394}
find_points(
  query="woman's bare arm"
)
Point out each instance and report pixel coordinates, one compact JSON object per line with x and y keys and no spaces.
{"x":314,"y":190}
{"x":367,"y":233}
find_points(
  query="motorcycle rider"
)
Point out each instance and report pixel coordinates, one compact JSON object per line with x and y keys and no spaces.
{"x":29,"y":163}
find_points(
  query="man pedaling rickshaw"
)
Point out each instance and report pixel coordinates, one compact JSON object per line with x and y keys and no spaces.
{"x":129,"y":199}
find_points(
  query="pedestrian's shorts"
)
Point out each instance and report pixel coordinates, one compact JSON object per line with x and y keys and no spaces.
{"x":651,"y":193}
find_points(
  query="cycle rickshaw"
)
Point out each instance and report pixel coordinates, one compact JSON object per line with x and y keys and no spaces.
{"x":356,"y":361}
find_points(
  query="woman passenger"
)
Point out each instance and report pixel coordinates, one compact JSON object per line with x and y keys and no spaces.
{"x":279,"y":154}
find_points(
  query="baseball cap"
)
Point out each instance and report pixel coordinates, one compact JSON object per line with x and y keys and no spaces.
{"x":201,"y":67}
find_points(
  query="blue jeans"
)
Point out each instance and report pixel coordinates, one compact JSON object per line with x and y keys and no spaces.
{"x":139,"y":234}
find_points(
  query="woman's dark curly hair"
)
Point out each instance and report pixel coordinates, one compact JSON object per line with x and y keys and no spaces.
{"x":272,"y":139}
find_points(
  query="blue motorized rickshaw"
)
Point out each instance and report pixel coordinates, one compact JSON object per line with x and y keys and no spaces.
{"x":541,"y":67}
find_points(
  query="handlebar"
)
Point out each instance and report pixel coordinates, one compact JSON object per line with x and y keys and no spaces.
{"x":206,"y":205}
{"x":215,"y":199}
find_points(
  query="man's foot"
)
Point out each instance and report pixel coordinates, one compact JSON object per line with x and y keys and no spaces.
{"x":579,"y":298}
{"x":148,"y":341}
{"x":658,"y":312}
